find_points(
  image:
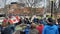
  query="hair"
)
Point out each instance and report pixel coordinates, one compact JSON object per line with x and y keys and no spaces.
{"x":50,"y":19}
{"x":33,"y":26}
{"x":8,"y":23}
{"x":4,"y":24}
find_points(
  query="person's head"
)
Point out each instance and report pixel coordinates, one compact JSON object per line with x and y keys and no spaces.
{"x":40,"y":24}
{"x":33,"y":26}
{"x":27,"y":26}
{"x":4,"y":24}
{"x":50,"y":21}
{"x":21,"y":25}
{"x":9,"y":23}
{"x":40,"y":21}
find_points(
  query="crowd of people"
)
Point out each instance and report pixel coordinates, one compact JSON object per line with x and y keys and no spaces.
{"x":35,"y":26}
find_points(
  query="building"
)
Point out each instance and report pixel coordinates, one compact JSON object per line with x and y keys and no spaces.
{"x":15,"y":8}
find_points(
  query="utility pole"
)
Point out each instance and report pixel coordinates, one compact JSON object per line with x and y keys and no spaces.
{"x":51,"y":8}
{"x":52,"y":5}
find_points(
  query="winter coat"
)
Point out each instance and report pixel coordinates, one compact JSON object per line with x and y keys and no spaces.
{"x":35,"y":20}
{"x":33,"y":31}
{"x":42,"y":22}
{"x":7,"y":30}
{"x":50,"y":29}
{"x":58,"y":28}
{"x":40,"y":28}
{"x":26,"y":30}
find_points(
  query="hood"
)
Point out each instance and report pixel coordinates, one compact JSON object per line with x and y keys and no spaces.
{"x":28,"y":26}
{"x":49,"y":24}
{"x":51,"y":27}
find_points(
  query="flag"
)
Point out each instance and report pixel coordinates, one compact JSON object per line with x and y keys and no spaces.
{"x":13,"y":20}
{"x":17,"y":17}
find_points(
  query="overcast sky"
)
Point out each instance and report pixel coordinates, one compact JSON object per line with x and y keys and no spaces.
{"x":9,"y":1}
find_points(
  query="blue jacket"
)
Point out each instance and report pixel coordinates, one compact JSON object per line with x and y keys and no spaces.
{"x":35,"y":20}
{"x":26,"y":30}
{"x":50,"y":29}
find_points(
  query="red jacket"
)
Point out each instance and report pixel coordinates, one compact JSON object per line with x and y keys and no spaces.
{"x":40,"y":28}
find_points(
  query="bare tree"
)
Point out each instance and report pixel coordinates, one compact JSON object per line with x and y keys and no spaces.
{"x":32,"y":4}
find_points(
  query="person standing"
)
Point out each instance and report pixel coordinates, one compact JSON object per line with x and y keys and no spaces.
{"x":59,"y":25}
{"x":42,"y":21}
{"x":40,"y":28}
{"x":33,"y":29}
{"x":50,"y":28}
{"x":26,"y":30}
{"x":7,"y":29}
